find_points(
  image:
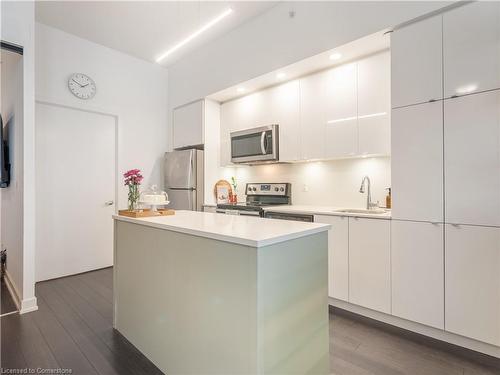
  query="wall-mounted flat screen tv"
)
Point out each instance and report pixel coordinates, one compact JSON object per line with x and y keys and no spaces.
{"x":4,"y":155}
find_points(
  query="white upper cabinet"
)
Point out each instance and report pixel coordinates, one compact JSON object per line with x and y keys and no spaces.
{"x":417,"y":162}
{"x":416,"y":63}
{"x":417,"y":255}
{"x":341,"y":110}
{"x":374,"y":104}
{"x":370,"y":263}
{"x":188,"y":125}
{"x":471,"y":41}
{"x":338,"y":255}
{"x":337,"y":113}
{"x":473,"y":282}
{"x":472,"y":159}
{"x":283,"y":103}
{"x":312,"y":116}
{"x":277,"y":105}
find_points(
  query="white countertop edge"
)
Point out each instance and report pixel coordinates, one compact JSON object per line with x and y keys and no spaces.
{"x":326,"y":211}
{"x":225,"y":238}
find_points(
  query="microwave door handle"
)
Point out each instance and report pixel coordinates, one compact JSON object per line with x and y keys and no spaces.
{"x":263,"y":147}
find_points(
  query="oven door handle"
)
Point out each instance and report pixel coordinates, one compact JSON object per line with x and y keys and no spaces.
{"x":263,"y":146}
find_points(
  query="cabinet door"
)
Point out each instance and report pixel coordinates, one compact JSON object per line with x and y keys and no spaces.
{"x":282,"y":102}
{"x":472,"y":159}
{"x":338,"y":255}
{"x":416,"y":63}
{"x":341,"y":111}
{"x":471,"y":41}
{"x":374,"y":104}
{"x":417,"y":162}
{"x":417,"y":255}
{"x":473,"y":282}
{"x":370,"y":263}
{"x":188,"y":125}
{"x":312,"y":116}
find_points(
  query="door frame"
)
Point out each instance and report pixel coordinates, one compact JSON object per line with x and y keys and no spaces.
{"x":98,"y":112}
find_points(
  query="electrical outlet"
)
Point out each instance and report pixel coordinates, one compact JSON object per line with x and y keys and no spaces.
{"x":305,"y":188}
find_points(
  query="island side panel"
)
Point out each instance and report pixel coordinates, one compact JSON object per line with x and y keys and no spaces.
{"x":188,"y":303}
{"x":293,"y":331}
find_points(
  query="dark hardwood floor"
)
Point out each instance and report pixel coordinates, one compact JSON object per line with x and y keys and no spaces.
{"x":7,"y":304}
{"x":73,"y":329}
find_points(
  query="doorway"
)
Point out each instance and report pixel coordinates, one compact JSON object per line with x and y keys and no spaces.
{"x":11,"y":193}
{"x":75,"y":190}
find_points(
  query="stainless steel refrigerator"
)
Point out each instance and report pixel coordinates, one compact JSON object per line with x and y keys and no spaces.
{"x":184,"y":179}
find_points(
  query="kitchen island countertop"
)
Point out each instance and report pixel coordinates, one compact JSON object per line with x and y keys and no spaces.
{"x":243,"y":230}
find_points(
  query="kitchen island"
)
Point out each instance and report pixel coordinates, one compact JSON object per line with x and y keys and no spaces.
{"x":206,"y":293}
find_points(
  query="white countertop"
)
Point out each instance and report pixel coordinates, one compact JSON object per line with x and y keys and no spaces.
{"x":324,"y":210}
{"x":243,"y":230}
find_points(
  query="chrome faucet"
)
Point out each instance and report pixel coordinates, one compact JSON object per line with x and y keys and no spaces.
{"x":369,"y":204}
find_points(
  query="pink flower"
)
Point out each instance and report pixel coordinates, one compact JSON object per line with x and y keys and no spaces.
{"x":133,"y":177}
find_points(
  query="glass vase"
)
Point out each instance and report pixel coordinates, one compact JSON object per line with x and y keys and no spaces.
{"x":133,"y":197}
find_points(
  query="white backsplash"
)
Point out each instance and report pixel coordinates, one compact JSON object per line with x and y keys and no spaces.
{"x":329,"y":183}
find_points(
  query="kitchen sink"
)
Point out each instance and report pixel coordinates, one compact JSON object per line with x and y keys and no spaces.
{"x":374,"y":211}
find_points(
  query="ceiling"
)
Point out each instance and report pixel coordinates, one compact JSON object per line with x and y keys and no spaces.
{"x":146,"y":29}
{"x":348,"y":52}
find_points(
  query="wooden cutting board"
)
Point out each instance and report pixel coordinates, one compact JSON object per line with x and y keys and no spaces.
{"x":146,"y":212}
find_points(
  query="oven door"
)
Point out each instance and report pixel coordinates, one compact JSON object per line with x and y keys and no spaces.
{"x":255,"y":145}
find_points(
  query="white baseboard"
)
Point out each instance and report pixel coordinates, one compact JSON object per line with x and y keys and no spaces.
{"x":28,"y":305}
{"x":23,"y":305}
{"x":14,"y":293}
{"x":435,"y":333}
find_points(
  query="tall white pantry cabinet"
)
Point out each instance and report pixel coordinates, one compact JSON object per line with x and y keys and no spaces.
{"x":445,"y":234}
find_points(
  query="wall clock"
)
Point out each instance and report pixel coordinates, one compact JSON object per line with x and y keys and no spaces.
{"x":82,"y":86}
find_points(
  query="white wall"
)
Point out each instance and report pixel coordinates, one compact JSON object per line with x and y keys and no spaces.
{"x":127,"y":87}
{"x":17,"y":26}
{"x":12,"y":196}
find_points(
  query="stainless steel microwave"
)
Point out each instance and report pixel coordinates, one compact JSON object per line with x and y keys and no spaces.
{"x":254,"y":146}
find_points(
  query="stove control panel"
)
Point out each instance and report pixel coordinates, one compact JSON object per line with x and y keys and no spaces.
{"x":282,"y":189}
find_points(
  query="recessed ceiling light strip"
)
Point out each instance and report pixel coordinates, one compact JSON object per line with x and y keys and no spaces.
{"x":202,"y":29}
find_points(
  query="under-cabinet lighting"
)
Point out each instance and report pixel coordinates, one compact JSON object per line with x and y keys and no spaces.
{"x":241,"y":89}
{"x":335,"y":56}
{"x":202,"y":29}
{"x":356,"y":117}
{"x":280,"y":75}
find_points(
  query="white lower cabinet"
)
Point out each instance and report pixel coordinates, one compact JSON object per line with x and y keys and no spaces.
{"x":417,"y":253}
{"x":472,"y":284}
{"x":338,"y":255}
{"x":370,"y":263}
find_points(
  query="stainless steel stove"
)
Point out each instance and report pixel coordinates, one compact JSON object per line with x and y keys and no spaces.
{"x":259,"y":195}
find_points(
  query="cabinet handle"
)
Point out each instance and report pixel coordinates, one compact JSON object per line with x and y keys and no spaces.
{"x":432,"y":100}
{"x":455,"y":225}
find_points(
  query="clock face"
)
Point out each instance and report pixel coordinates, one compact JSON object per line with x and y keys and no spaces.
{"x":82,"y":86}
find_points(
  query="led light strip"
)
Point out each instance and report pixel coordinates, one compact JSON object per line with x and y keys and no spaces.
{"x":202,"y":29}
{"x":356,"y":117}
